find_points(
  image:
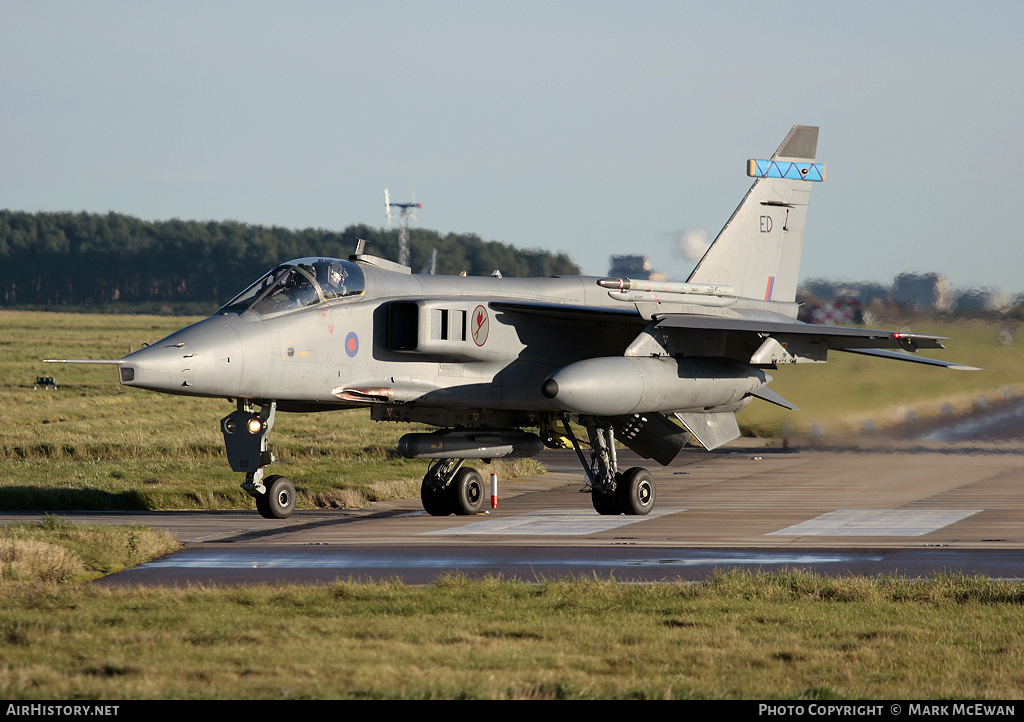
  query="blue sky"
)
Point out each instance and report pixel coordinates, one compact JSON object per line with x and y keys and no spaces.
{"x":587,"y":127}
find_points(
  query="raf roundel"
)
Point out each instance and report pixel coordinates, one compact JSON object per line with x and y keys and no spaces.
{"x":352,"y":344}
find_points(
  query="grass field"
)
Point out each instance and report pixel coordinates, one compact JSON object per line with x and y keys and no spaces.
{"x":739,"y":635}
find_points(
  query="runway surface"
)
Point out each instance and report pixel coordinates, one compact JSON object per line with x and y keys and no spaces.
{"x":914,"y":510}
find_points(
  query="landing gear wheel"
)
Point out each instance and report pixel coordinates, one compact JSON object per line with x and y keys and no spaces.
{"x":467,"y":492}
{"x":635,"y":492}
{"x":605,"y":504}
{"x":279,"y":500}
{"x":436,"y":502}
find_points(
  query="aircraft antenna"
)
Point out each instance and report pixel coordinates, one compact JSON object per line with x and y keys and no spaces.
{"x":408,"y":212}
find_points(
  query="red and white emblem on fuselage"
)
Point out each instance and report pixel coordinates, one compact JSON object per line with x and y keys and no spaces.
{"x":480,"y":325}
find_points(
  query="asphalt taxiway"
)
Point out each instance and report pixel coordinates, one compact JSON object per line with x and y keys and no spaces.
{"x":913,"y":509}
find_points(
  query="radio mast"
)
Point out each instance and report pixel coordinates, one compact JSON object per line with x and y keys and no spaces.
{"x":407,"y":211}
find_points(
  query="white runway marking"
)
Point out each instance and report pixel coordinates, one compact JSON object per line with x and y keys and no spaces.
{"x":877,"y":522}
{"x":550,"y":522}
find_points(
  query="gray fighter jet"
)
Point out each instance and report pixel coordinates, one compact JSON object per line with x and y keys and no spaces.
{"x":503,"y":366}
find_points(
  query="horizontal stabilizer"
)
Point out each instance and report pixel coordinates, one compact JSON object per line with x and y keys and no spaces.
{"x":766,"y":394}
{"x":786,"y":169}
{"x":882,"y":353}
{"x":711,"y":430}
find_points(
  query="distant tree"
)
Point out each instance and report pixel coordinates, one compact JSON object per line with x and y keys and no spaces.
{"x":94,"y":260}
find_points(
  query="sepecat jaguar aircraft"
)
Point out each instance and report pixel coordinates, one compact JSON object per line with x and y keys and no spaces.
{"x":504,"y":366}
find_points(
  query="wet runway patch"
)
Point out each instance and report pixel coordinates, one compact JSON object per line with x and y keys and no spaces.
{"x":449,"y":559}
{"x":877,"y":522}
{"x":550,"y":522}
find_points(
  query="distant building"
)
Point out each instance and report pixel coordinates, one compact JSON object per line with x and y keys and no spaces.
{"x":825,"y":301}
{"x":865,"y":292}
{"x":922,"y":290}
{"x":982,"y":299}
{"x":637,"y":267}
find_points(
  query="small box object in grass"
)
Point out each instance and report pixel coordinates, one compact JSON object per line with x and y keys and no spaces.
{"x":45,"y":382}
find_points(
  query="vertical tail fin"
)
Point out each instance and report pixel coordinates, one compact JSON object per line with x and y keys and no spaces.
{"x":758,"y":251}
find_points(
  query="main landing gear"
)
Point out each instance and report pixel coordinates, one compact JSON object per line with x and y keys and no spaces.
{"x":449,"y":488}
{"x":245,"y":438}
{"x":630,"y":492}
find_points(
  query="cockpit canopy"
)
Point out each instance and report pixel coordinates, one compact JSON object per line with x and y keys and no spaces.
{"x":296,"y":284}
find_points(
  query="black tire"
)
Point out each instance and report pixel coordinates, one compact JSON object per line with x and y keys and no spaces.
{"x":635,"y":492}
{"x":263,"y":506}
{"x":605,"y":504}
{"x":436,"y":502}
{"x":467,"y":492}
{"x":279,"y":500}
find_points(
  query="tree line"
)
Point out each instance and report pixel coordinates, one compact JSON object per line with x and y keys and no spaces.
{"x":108,"y":261}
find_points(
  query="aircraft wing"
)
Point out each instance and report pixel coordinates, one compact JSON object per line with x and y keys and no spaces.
{"x":838,"y":337}
{"x":792,"y":334}
{"x":870,"y":342}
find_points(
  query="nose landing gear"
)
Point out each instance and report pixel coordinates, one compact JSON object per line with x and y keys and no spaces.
{"x":245,"y":438}
{"x":278,"y":499}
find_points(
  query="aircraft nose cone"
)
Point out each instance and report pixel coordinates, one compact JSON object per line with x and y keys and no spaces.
{"x":159,"y":367}
{"x":204,"y":360}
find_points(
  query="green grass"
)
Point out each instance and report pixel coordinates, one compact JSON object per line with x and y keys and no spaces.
{"x":740,"y":635}
{"x":55,"y":551}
